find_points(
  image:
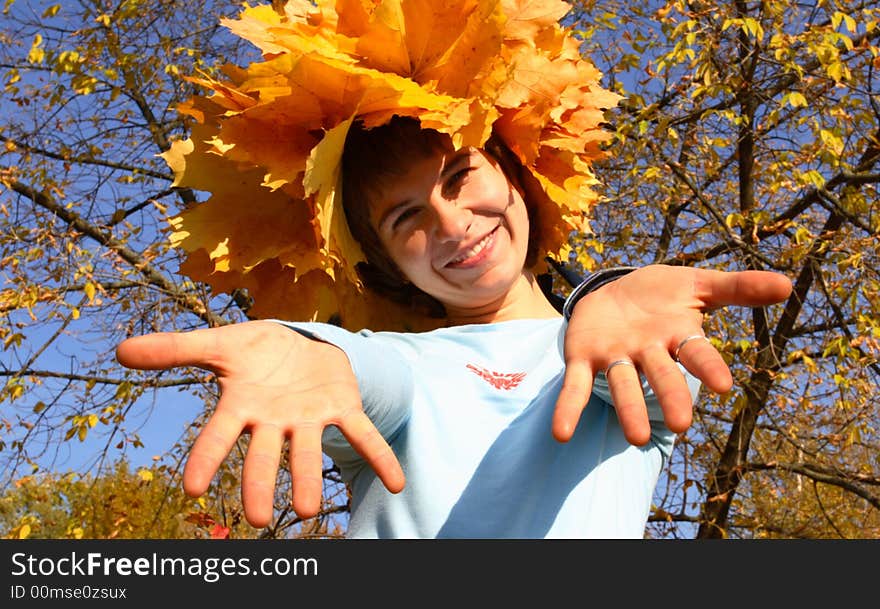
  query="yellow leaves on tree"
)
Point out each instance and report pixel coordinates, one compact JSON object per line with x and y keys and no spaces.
{"x":268,"y":140}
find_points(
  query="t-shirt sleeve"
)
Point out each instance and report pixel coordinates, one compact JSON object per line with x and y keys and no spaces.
{"x":384,"y":380}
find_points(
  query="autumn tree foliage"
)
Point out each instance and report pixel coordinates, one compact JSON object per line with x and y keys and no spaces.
{"x":747,"y":137}
{"x":118,"y":503}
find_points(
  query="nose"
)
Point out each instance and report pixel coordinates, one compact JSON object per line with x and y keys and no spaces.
{"x":451,"y":220}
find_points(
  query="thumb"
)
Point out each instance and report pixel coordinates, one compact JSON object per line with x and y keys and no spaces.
{"x":162,"y":350}
{"x":743,"y":288}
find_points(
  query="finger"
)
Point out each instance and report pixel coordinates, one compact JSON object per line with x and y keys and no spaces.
{"x":670,"y":387}
{"x":702,"y":360}
{"x":259,"y":474}
{"x":369,"y":443}
{"x":629,"y":402}
{"x":163,"y":350}
{"x":214,"y":442}
{"x":743,"y":288}
{"x":306,"y":467}
{"x":576,"y":387}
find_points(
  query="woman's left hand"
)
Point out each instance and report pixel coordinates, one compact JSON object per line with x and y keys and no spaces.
{"x":646,"y":321}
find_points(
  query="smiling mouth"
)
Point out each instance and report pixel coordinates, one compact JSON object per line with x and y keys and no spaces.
{"x":476,"y":253}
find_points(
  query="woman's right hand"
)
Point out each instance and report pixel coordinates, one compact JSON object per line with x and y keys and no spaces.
{"x":277,"y":386}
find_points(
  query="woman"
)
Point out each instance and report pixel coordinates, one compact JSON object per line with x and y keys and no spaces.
{"x":463,"y":413}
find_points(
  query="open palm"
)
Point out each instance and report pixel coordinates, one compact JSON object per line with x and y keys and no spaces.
{"x":644,"y":318}
{"x":277,"y":386}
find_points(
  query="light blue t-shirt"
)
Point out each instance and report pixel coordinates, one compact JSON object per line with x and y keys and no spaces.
{"x":468,"y":411}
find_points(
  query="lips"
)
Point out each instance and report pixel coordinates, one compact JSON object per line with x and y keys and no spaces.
{"x":475,"y":253}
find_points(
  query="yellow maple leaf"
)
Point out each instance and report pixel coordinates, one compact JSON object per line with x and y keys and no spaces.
{"x":277,"y":225}
{"x":526,"y":19}
{"x":323,"y":177}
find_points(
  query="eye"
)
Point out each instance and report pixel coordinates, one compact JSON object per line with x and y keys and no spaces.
{"x":461,"y":174}
{"x":455,"y":180}
{"x":403,"y":216}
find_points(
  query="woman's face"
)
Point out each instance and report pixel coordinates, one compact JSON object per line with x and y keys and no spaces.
{"x":455,"y":227}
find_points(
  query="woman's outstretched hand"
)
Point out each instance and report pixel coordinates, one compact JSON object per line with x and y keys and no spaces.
{"x":277,"y":386}
{"x":651,"y":318}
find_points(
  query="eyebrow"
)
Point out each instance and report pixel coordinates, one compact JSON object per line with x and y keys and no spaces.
{"x":453,"y":162}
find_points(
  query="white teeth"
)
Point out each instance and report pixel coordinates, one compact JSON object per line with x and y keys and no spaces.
{"x":475,"y":249}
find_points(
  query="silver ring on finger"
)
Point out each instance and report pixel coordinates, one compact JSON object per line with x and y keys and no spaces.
{"x":685,"y":341}
{"x":625,"y":361}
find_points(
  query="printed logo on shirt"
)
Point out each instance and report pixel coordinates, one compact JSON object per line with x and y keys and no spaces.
{"x":497,"y":379}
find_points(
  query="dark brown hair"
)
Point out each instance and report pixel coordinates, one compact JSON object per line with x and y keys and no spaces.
{"x":374,"y":156}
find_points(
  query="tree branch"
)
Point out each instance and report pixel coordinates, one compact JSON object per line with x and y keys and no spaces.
{"x":84,"y":159}
{"x":102,"y":380}
{"x":845,"y":480}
